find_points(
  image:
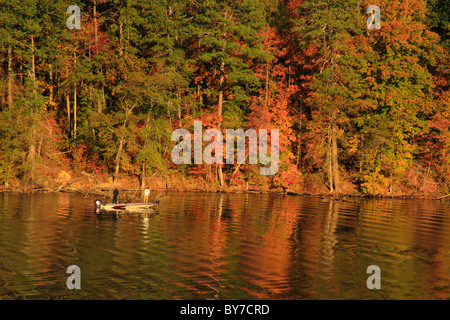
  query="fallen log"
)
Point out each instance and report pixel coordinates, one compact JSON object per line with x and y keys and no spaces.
{"x":443,"y":197}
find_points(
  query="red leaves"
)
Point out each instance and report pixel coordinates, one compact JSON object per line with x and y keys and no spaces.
{"x":440,"y":121}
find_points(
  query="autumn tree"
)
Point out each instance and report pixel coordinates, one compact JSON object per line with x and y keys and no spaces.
{"x":225,"y":38}
{"x":401,"y":97}
{"x":331,"y":27}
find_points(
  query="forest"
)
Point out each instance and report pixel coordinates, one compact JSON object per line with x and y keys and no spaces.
{"x":360,"y":111}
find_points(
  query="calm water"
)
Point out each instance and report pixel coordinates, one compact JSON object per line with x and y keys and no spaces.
{"x":224,"y":246}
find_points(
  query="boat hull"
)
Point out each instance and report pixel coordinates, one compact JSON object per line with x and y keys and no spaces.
{"x":128,"y":206}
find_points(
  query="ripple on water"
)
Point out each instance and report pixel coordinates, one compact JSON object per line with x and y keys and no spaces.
{"x":224,"y":246}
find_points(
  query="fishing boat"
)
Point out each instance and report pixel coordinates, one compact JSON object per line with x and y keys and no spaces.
{"x":127,"y":206}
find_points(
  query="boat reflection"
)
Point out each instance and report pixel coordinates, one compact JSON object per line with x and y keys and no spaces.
{"x":143,"y":213}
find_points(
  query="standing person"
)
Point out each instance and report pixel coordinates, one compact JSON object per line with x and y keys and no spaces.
{"x":146,"y":194}
{"x":115,"y":195}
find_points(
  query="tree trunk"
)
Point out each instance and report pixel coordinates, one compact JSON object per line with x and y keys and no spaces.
{"x":121,"y":38}
{"x":220,"y":176}
{"x":95,"y":24}
{"x":179,"y":105}
{"x":329,"y":162}
{"x":99,"y":102}
{"x":68,"y":101}
{"x":119,"y":152}
{"x":299,"y":145}
{"x":222,"y":79}
{"x":68,"y":113}
{"x":334,"y":167}
{"x":33,"y":66}
{"x":10,"y":78}
{"x":32,"y":152}
{"x":334,"y":152}
{"x":199,"y":94}
{"x":51,"y":86}
{"x":75,"y":99}
{"x":220,"y":107}
{"x":143,"y":177}
{"x":99,"y":105}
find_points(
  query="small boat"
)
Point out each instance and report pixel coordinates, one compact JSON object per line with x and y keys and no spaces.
{"x":128,"y":206}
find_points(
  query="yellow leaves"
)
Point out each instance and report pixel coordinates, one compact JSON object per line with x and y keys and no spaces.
{"x":128,"y":167}
{"x":51,"y":105}
{"x":354,"y":144}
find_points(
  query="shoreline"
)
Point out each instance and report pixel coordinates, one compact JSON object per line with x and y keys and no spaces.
{"x":107,"y":191}
{"x":103,"y":186}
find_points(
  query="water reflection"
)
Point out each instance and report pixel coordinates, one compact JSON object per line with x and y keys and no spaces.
{"x":224,"y":246}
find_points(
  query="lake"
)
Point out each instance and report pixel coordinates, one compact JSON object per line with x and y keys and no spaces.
{"x":224,"y":246}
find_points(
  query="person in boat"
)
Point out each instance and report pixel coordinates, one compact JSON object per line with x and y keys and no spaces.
{"x":115,"y":195}
{"x":146,"y":194}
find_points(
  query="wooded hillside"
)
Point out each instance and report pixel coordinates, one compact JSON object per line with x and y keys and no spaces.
{"x":358,"y":109}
